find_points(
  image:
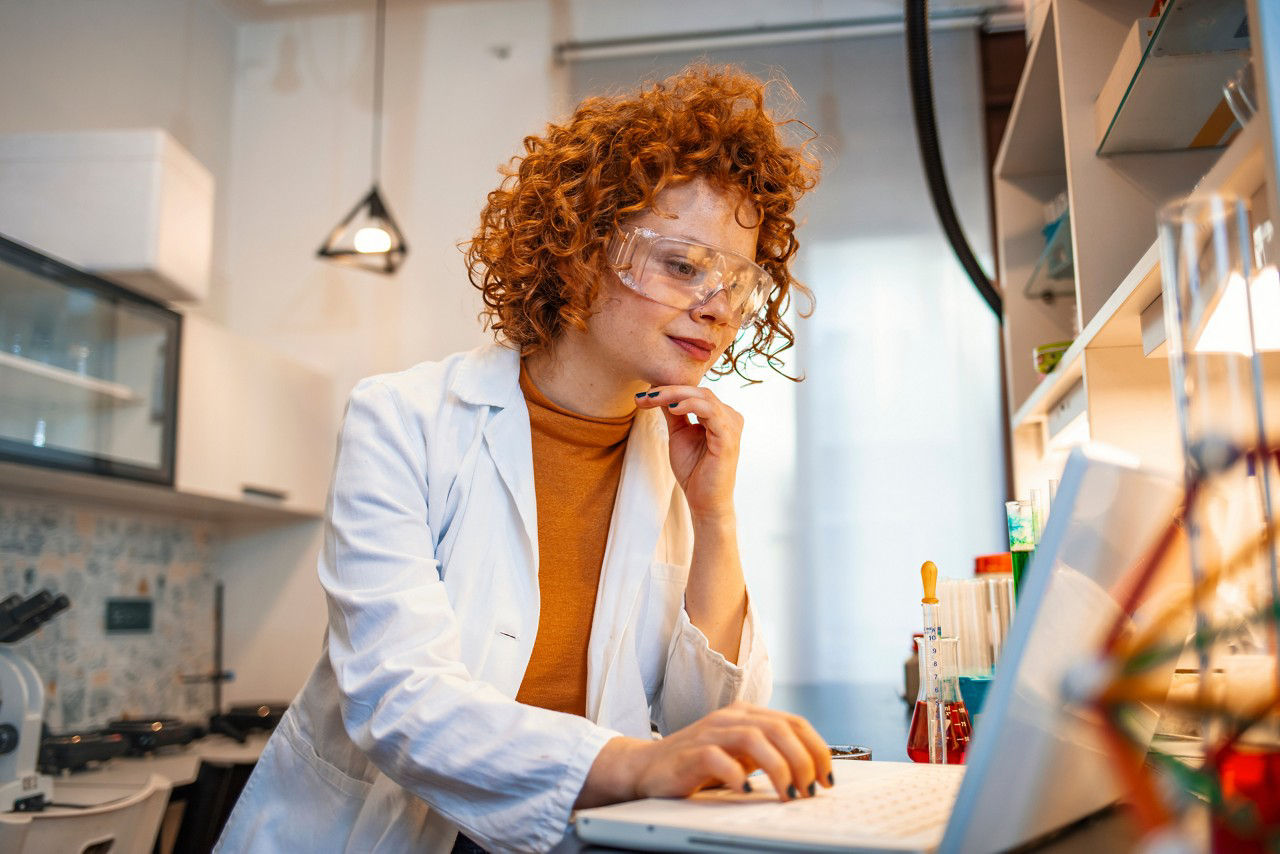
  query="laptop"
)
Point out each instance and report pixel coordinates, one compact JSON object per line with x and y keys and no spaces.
{"x":1036,"y":763}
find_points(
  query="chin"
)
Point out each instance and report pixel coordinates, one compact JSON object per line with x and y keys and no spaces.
{"x":679,"y":375}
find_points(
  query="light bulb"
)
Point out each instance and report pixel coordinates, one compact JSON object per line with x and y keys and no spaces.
{"x":371,"y":239}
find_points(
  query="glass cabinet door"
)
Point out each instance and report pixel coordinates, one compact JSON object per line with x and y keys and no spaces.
{"x":88,"y":371}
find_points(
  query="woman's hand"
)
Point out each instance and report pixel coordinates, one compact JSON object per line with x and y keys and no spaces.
{"x":721,"y":749}
{"x":704,"y":456}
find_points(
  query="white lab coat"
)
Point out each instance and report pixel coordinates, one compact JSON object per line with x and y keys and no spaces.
{"x":407,"y":728}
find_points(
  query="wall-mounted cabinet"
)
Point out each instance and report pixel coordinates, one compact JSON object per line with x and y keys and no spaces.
{"x":106,"y":395}
{"x":133,"y":206}
{"x":254,"y":427}
{"x":1113,"y":194}
{"x":88,"y":371}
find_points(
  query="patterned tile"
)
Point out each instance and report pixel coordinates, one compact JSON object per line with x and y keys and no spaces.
{"x":93,"y":555}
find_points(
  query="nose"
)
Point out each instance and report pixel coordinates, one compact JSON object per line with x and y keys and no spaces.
{"x":715,"y":309}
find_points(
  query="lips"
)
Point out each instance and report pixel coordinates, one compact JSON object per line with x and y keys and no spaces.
{"x":695,"y":347}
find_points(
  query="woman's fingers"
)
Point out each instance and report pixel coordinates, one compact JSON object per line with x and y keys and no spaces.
{"x":723,"y":424}
{"x":664,"y":394}
{"x":816,"y":747}
{"x":715,"y":765}
{"x":749,"y":743}
{"x":806,"y":750}
{"x":783,"y":738}
{"x":726,"y":746}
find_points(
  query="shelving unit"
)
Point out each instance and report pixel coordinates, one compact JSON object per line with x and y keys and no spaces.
{"x":1195,"y":46}
{"x":31,"y":382}
{"x":1055,"y":270}
{"x":1113,"y":200}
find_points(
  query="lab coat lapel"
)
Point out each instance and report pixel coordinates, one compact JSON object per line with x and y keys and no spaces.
{"x":490,"y":376}
{"x":510,"y":443}
{"x":639,"y":511}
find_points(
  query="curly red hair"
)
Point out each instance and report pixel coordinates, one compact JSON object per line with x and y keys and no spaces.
{"x":539,"y":253}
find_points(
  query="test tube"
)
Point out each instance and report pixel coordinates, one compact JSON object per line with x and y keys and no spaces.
{"x":1022,"y":542}
{"x":1039,"y":512}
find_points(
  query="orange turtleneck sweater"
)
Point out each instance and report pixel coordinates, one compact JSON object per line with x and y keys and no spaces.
{"x":577,"y":463}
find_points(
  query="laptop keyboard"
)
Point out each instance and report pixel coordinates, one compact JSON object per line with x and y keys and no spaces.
{"x":871,"y":799}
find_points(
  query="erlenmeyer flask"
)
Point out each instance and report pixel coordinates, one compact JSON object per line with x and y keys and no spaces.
{"x":955,"y":719}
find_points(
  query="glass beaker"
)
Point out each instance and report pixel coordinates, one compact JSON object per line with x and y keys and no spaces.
{"x":1241,"y":94}
{"x":955,"y":718}
{"x":1218,"y":379}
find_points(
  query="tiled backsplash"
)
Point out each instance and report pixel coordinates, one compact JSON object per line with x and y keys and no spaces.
{"x":92,"y":555}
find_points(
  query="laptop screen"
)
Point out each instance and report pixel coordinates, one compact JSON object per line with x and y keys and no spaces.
{"x":1038,"y":762}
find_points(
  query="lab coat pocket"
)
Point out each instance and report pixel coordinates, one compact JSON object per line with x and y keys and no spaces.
{"x":294,"y":801}
{"x":331,"y":774}
{"x":658,"y":619}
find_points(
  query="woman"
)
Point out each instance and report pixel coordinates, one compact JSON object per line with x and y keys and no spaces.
{"x":530,"y":551}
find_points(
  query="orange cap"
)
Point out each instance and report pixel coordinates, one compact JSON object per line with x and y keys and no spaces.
{"x":1002,"y":562}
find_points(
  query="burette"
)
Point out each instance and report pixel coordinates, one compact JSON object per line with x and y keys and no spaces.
{"x":935,"y":711}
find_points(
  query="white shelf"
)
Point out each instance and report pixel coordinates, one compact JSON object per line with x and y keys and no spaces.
{"x":31,"y":380}
{"x":1052,"y":387}
{"x":1240,"y":169}
{"x":1126,"y":302}
{"x":39,"y":482}
{"x":1165,"y":93}
{"x":1032,"y":143}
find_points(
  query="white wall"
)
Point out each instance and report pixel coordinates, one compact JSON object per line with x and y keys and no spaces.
{"x":592,"y":20}
{"x":465,"y":82}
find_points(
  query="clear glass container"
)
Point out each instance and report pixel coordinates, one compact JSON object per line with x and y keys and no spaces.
{"x":1219,"y":376}
{"x":1022,"y":538}
{"x":88,"y":371}
{"x":955,"y":718}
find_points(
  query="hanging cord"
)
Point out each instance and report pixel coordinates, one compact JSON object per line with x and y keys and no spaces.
{"x":916,"y":15}
{"x":377,"y":89}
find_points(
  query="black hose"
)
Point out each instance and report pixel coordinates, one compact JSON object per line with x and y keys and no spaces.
{"x":916,"y":15}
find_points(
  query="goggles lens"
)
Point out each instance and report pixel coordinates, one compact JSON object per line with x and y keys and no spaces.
{"x":685,"y":274}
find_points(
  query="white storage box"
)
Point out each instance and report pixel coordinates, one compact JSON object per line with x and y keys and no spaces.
{"x":131,"y":205}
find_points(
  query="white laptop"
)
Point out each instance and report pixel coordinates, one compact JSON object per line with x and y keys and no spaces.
{"x":1036,"y":763}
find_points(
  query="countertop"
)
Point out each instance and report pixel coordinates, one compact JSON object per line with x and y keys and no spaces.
{"x":124,"y":774}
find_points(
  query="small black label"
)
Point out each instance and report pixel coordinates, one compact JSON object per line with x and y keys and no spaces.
{"x":129,"y":615}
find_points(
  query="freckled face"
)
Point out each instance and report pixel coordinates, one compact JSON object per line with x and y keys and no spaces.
{"x":644,"y":340}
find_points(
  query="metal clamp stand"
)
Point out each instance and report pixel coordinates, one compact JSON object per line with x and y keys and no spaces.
{"x":219,"y":674}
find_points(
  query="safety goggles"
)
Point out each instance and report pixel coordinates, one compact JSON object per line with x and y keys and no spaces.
{"x":685,"y":274}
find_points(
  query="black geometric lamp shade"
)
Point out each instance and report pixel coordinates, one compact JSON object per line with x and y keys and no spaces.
{"x":367,"y":237}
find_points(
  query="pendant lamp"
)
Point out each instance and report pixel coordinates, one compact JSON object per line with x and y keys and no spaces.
{"x":368,"y":236}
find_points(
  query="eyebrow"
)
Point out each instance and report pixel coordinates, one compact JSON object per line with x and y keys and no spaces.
{"x":684,"y":235}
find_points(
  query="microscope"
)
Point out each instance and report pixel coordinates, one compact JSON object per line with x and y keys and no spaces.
{"x":22,"y":788}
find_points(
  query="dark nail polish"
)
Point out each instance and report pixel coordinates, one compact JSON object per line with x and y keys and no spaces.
{"x":831,"y":777}
{"x":654,"y":393}
{"x":672,"y":405}
{"x":746,"y":786}
{"x":640,"y":394}
{"x":792,"y":791}
{"x":813,"y":789}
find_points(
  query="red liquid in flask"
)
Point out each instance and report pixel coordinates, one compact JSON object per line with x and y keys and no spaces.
{"x":1250,"y":779}
{"x":956,"y":724}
